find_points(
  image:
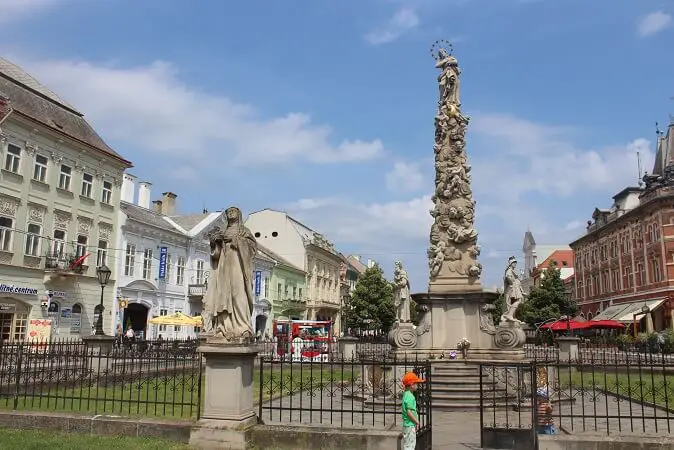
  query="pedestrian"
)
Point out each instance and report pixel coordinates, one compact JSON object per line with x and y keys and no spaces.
{"x":409,"y":410}
{"x":545,"y":424}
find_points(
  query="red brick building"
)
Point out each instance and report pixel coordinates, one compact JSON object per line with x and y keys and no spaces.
{"x":624,"y":264}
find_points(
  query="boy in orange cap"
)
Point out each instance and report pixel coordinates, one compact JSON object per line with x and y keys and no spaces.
{"x":409,"y":410}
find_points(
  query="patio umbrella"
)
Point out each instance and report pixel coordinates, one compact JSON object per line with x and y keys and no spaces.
{"x":609,"y":324}
{"x":176,"y":319}
{"x":563,"y":325}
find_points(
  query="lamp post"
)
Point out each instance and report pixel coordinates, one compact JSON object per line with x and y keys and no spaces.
{"x":644,"y":310}
{"x":103,"y":274}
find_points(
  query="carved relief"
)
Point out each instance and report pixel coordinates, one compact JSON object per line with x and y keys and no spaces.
{"x":61,"y":220}
{"x":83,"y":225}
{"x":8,"y":205}
{"x":56,"y":157}
{"x":36,"y":214}
{"x":104,"y":231}
{"x":30,"y":148}
{"x":453,"y":238}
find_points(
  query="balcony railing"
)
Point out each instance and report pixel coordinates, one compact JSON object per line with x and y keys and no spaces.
{"x":196,"y":290}
{"x":65,"y":263}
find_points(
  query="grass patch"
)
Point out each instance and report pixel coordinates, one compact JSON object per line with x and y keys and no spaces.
{"x":38,"y":440}
{"x":171,"y":397}
{"x":640,"y":387}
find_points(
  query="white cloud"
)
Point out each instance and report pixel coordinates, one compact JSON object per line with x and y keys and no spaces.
{"x":16,"y":10}
{"x":404,"y":176}
{"x":653,"y":23}
{"x":404,"y":20}
{"x":150,"y":109}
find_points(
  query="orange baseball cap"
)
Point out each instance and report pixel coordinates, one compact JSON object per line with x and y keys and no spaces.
{"x":411,"y":378}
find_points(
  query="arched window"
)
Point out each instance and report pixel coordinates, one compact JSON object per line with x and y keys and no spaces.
{"x":589,"y":316}
{"x":53,"y":313}
{"x":76,"y":319}
{"x":77,"y":308}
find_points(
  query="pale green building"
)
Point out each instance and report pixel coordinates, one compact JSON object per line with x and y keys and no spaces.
{"x":286,"y":290}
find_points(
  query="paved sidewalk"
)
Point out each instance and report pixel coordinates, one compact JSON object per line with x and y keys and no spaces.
{"x":456,"y":430}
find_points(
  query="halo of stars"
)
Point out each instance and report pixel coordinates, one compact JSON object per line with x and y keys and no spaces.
{"x":437,"y":45}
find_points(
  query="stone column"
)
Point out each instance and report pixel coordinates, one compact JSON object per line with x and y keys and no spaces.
{"x":348,"y":347}
{"x":228,"y":394}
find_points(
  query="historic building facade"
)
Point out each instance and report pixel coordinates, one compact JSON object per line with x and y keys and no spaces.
{"x":624,"y":264}
{"x":59,"y":195}
{"x":536,"y":257}
{"x":307,"y":249}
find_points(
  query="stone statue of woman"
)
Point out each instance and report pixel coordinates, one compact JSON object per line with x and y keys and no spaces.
{"x":228,"y":302}
{"x":512,"y":291}
{"x":449,"y":78}
{"x":401,"y":293}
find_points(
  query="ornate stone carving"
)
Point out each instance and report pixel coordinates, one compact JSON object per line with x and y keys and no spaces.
{"x":56,"y":157}
{"x":8,"y":205}
{"x":453,"y":238}
{"x":320,"y":241}
{"x":84,"y":225}
{"x":30,"y":148}
{"x":486,"y":320}
{"x":403,"y":336}
{"x":401,"y":293}
{"x":61,"y":219}
{"x":104,"y":231}
{"x":509,"y":335}
{"x":512,"y":291}
{"x":424,"y":320}
{"x":36,"y":214}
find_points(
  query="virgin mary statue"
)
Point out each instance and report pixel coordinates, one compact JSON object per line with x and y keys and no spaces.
{"x":228,"y":303}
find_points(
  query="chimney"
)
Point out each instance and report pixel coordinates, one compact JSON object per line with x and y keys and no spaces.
{"x":169,"y":203}
{"x":128,"y":187}
{"x":144,"y":194}
{"x":156,"y":206}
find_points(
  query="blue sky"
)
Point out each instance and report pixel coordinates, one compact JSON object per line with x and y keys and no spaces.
{"x":324,"y":108}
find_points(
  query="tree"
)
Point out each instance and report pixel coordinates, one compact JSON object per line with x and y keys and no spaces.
{"x":549,"y":300}
{"x":371,"y":306}
{"x":499,"y":309}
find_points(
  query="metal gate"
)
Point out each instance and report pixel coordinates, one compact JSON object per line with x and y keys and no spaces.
{"x":424,"y":407}
{"x":507,"y":406}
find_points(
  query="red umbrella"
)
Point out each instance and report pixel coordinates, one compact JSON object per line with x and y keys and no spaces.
{"x":611,"y":324}
{"x":563,"y":325}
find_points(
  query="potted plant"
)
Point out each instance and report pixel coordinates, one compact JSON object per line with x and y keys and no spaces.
{"x":463,"y":345}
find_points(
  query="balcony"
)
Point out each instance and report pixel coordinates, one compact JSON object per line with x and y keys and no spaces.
{"x":196,"y":291}
{"x":65,"y":264}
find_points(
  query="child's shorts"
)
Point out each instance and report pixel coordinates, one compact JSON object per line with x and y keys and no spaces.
{"x":547,"y":429}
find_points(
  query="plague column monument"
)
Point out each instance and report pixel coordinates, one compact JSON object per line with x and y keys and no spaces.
{"x":227,"y":342}
{"x":455,"y":312}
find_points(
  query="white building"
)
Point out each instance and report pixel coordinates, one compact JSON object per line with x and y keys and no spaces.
{"x":59,"y":195}
{"x":305,"y":248}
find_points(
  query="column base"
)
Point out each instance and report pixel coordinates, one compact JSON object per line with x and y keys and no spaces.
{"x":216,"y":434}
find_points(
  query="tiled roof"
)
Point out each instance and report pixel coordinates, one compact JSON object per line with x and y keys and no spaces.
{"x":189,"y":221}
{"x":358,"y":265}
{"x":278,"y":258}
{"x":147,"y":216}
{"x":28,"y":97}
{"x":563,"y":258}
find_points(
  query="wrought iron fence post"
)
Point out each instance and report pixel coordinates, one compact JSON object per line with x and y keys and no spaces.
{"x":17,"y":383}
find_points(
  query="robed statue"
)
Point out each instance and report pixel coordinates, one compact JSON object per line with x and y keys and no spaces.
{"x":228,"y":302}
{"x":512,"y":291}
{"x":401,"y":293}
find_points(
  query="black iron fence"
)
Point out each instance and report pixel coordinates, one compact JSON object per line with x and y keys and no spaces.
{"x":139,"y":379}
{"x":590,"y":392}
{"x":342,"y":392}
{"x":317,"y":350}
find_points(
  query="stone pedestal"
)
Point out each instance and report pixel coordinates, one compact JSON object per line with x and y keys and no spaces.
{"x":348,"y":347}
{"x":228,"y":393}
{"x":403,"y":336}
{"x":568,"y":348}
{"x":102,"y":344}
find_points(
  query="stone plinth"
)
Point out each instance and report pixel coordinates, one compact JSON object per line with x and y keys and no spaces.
{"x":348,"y":347}
{"x":228,"y":393}
{"x":568,"y":348}
{"x":100,"y":343}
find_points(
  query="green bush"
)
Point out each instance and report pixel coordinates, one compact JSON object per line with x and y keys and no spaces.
{"x":624,"y":341}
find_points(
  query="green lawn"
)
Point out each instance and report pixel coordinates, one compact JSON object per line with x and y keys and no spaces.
{"x":653,"y":388}
{"x":11,"y":439}
{"x":168,"y":397}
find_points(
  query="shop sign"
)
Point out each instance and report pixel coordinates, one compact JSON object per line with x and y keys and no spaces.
{"x":14,"y":289}
{"x":7,"y":307}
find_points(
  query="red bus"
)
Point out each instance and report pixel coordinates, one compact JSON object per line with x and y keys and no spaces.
{"x":303,"y":339}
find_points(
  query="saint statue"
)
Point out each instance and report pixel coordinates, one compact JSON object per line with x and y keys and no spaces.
{"x":228,"y":303}
{"x":449,"y":78}
{"x":401,"y":293}
{"x":512,"y":291}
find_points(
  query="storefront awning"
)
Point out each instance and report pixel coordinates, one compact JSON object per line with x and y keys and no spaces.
{"x":624,"y":312}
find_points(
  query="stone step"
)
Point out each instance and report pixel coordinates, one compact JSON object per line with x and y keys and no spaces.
{"x":458,"y":370}
{"x":452,"y":388}
{"x":463,"y":379}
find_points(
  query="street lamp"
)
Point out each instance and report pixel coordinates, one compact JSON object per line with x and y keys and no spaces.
{"x":103,"y":274}
{"x":644,"y":310}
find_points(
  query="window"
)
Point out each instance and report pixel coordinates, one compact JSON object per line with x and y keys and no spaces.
{"x":163,"y":312}
{"x":266,"y":287}
{"x":76,"y":319}
{"x":176,"y":328}
{"x":278,"y":290}
{"x":40,"y":168}
{"x":657,"y":275}
{"x":102,"y":253}
{"x":33,"y":240}
{"x":641,"y":275}
{"x":20,"y":325}
{"x":167,"y":274}
{"x":64,"y":177}
{"x":87,"y":185}
{"x":300,"y":293}
{"x":180,"y":271}
{"x":147,"y":263}
{"x":53,"y":313}
{"x":81,"y":247}
{"x":285,"y":292}
{"x":6,"y":225}
{"x":59,"y":244}
{"x":200,"y":272}
{"x":294,"y":292}
{"x":129,"y":260}
{"x":106,"y":197}
{"x":13,"y":158}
